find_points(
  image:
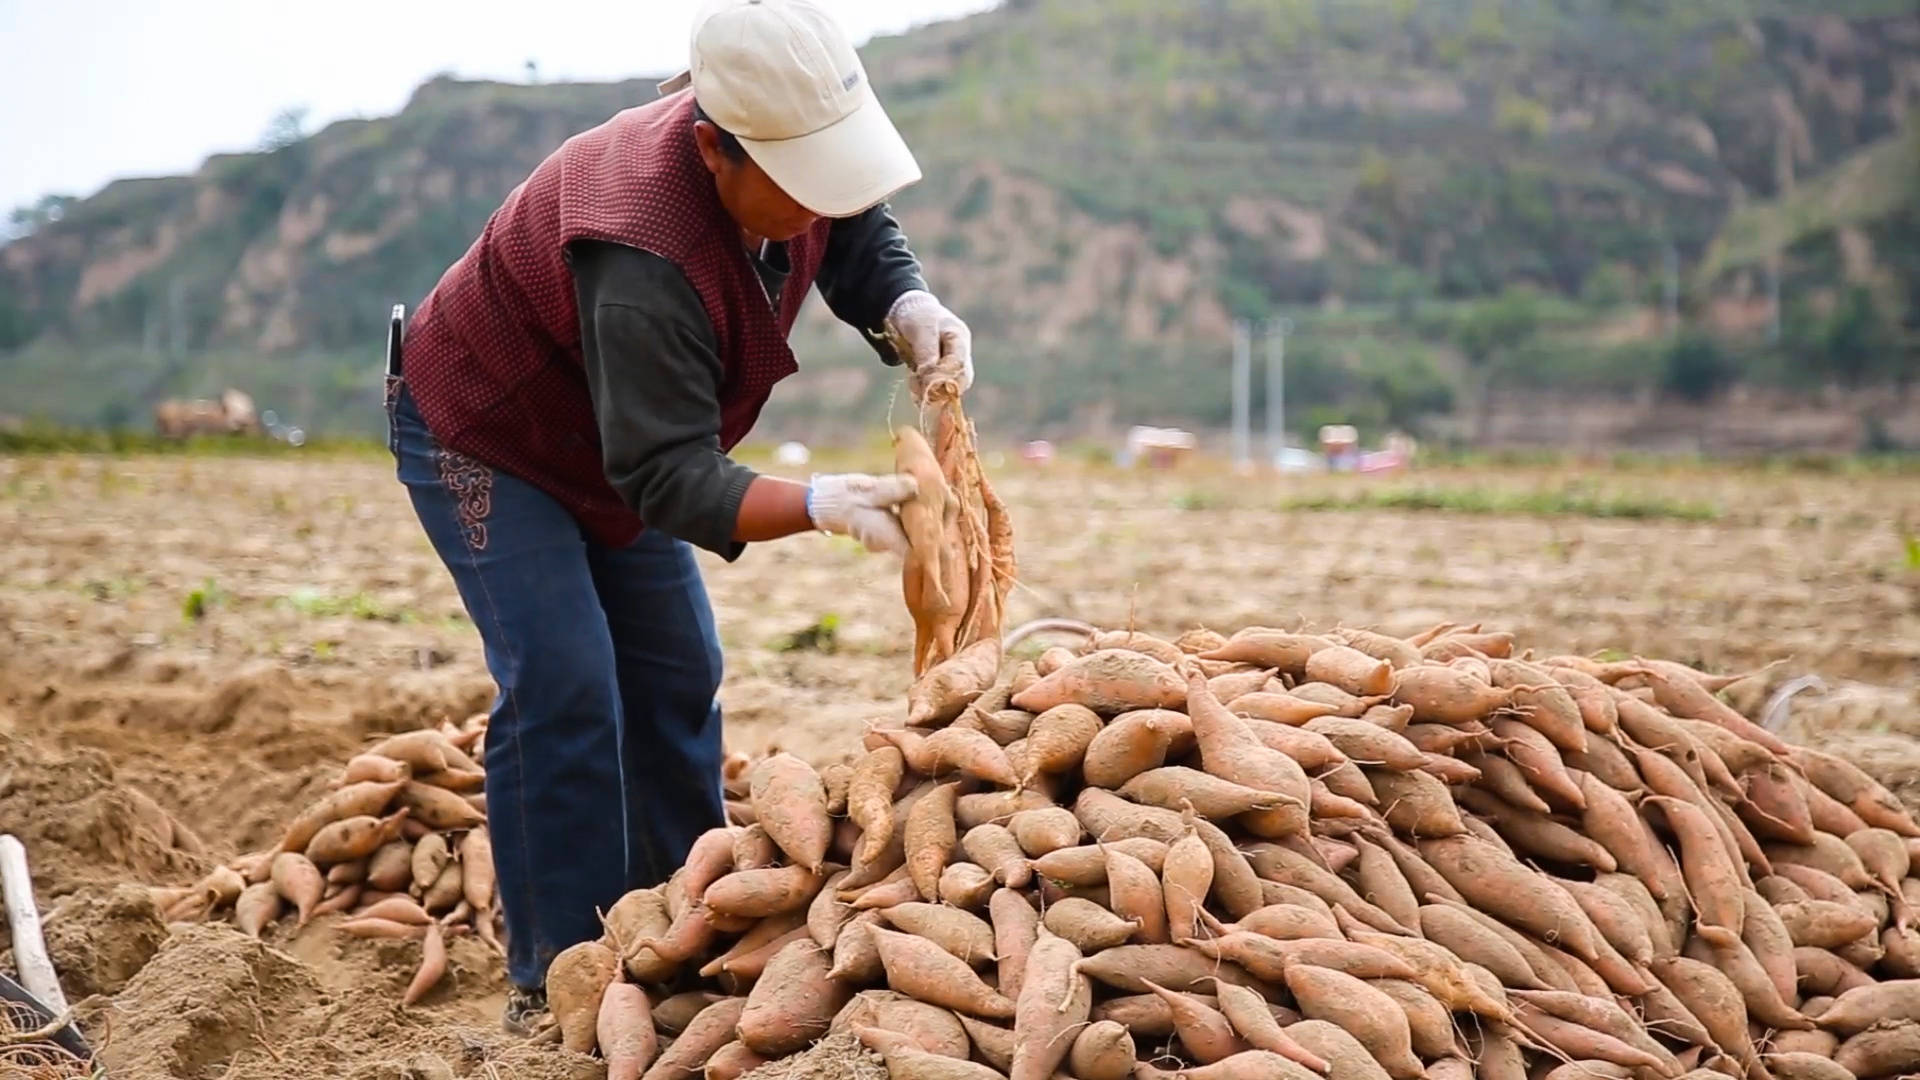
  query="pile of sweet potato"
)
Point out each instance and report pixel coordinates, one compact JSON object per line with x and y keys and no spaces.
{"x":1280,"y":855}
{"x":400,"y":843}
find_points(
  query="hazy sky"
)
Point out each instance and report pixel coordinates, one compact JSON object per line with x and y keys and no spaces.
{"x":94,"y":90}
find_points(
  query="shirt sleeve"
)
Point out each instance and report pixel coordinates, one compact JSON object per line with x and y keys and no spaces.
{"x":867,"y":266}
{"x":653,"y":370}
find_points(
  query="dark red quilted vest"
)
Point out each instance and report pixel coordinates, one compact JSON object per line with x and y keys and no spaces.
{"x":492,"y":357}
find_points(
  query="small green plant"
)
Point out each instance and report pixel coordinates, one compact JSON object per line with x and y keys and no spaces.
{"x":1912,"y":545}
{"x":360,"y":605}
{"x":198,"y":602}
{"x":823,"y":636}
{"x":1197,"y":499}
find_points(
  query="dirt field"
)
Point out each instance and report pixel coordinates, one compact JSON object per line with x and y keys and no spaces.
{"x":221,"y":634}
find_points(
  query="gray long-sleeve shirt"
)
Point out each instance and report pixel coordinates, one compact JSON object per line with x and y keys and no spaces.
{"x":654,"y":372}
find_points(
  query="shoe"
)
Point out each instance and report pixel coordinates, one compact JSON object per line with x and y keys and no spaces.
{"x":525,"y":1009}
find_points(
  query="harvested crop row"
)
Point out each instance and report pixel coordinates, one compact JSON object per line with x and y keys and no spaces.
{"x":1288,"y":854}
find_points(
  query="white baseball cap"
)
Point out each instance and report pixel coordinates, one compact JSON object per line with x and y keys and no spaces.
{"x":781,"y":76}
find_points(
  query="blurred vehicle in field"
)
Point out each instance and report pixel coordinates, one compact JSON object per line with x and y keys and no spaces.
{"x":1037,"y":452}
{"x":1157,"y":448}
{"x":232,"y":414}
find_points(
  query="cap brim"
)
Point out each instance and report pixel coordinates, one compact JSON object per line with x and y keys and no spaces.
{"x":842,"y":169}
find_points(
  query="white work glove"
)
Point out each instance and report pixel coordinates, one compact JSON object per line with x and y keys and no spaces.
{"x":861,"y":506}
{"x":932,"y":341}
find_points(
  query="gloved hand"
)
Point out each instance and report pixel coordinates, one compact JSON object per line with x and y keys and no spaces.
{"x":861,"y":506}
{"x":932,"y":341}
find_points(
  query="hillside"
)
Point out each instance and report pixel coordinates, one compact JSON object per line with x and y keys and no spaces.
{"x":1109,"y":183}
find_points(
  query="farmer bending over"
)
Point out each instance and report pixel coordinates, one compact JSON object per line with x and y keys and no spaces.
{"x":583,"y":369}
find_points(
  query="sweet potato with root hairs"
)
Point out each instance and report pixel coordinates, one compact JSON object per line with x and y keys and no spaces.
{"x":1611,"y":821}
{"x":1499,"y":885}
{"x":1016,"y":926}
{"x":1347,"y":781}
{"x":1829,"y":854}
{"x":929,"y":836}
{"x":1804,"y":1066}
{"x":576,"y":980}
{"x":1162,"y":650}
{"x":1086,"y":864}
{"x":1203,"y":1030}
{"x":1146,"y":1013}
{"x":870,"y":799}
{"x":1823,"y":924}
{"x":827,"y":913}
{"x":1280,"y":708}
{"x":1089,"y":926}
{"x":754,"y":849}
{"x":1227,"y":686}
{"x":1822,"y":1043}
{"x":1129,"y":745}
{"x":1110,"y":682}
{"x":1349,"y":669}
{"x":1765,"y":1004}
{"x":1424,"y":879}
{"x":1444,"y":695}
{"x":1040,"y":832}
{"x":1101,"y":1051}
{"x":1603,"y":1016}
{"x":1343,"y":703}
{"x":1535,"y":834}
{"x":965,"y":885}
{"x":748,"y":955}
{"x":1267,"y":958}
{"x":1821,"y":972}
{"x":897,"y":888}
{"x":1469,"y":939}
{"x":966,"y":936}
{"x":756,"y":894}
{"x":1173,"y":786}
{"x":932,"y":1028}
{"x":1427,"y":1020}
{"x":1883,"y":854}
{"x":1058,"y":740}
{"x":354,"y":838}
{"x":1609,"y":764}
{"x":1177,"y":967}
{"x":1883,"y":1051}
{"x":1395,"y":651}
{"x":1279,"y":864}
{"x":1346,"y":1057}
{"x":1901,"y":948}
{"x":1246,"y":1064}
{"x":1249,"y":1017}
{"x":1368,"y":744}
{"x":1270,"y":649}
{"x":445,"y":891}
{"x":792,"y":1002}
{"x":1136,"y":895}
{"x":1363,"y":1011}
{"x":1683,"y":696}
{"x":1310,"y":750}
{"x":1054,"y":1002}
{"x":382,"y":928}
{"x":1324,"y":804}
{"x":1712,"y":879}
{"x":710,"y":1029}
{"x":1583,"y":1043}
{"x":790,"y":802}
{"x":925,"y":971}
{"x":1107,"y":816}
{"x":1549,"y":710}
{"x":943,"y":691}
{"x":971,"y":753}
{"x":1230,"y":751}
{"x":1618,"y":920}
{"x":996,"y":849}
{"x":1540,"y":763}
{"x":1416,"y":803}
{"x":1715,"y":1003}
{"x":1861,"y":1008}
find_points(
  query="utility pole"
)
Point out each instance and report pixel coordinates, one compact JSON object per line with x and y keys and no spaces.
{"x":1277,"y":331}
{"x":1773,"y":299}
{"x":1242,"y":392}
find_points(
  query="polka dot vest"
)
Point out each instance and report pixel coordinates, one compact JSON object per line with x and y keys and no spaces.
{"x":492,"y":356}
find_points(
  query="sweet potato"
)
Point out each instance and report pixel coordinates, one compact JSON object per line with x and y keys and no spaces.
{"x":1608,"y":762}
{"x":1055,"y":999}
{"x":856,"y":960}
{"x":1086,"y":864}
{"x":1039,"y":832}
{"x":948,"y":687}
{"x":1765,"y":1004}
{"x":298,"y":882}
{"x":1103,"y":1050}
{"x":1549,"y":710}
{"x":1016,"y":926}
{"x":1584,"y":1043}
{"x":1368,"y":744}
{"x":1059,"y":739}
{"x":1230,"y":751}
{"x":1136,"y":896}
{"x":1109,"y":682}
{"x":625,"y":1032}
{"x":710,"y":1029}
{"x":1829,"y":854}
{"x":1883,"y":853}
{"x":1714,"y":1001}
{"x":1427,"y":1020}
{"x":1087,"y":925}
{"x":790,"y":802}
{"x":966,"y":936}
{"x":923,"y":970}
{"x":439,"y":808}
{"x":1535,"y":834}
{"x":1166,"y":652}
{"x":748,"y":955}
{"x":375,"y":768}
{"x":1882,"y":1051}
{"x":1346,"y":1056}
{"x":1270,"y":649}
{"x":1821,"y":972}
{"x":1268,"y":958}
{"x":1603,"y":1016}
{"x":1612,"y":823}
{"x":1177,"y":967}
{"x":1054,"y":659}
{"x":1277,"y":863}
{"x":1470,"y":940}
{"x":793,"y":1001}
{"x":1416,"y":803}
{"x":965,"y":885}
{"x":1444,"y":695}
{"x":897,"y":888}
{"x":1106,"y":816}
{"x":576,"y":980}
{"x":390,"y":867}
{"x":1130,"y":744}
{"x":1858,"y":1009}
{"x":256,"y":907}
{"x":995,"y":849}
{"x":1712,"y":880}
{"x":730,"y":1062}
{"x":934,"y":1029}
{"x":1229,"y":685}
{"x":1203,"y":1030}
{"x":930,"y":834}
{"x":827,"y":913}
{"x":1280,"y":708}
{"x":1620,"y":923}
{"x":1350,"y":669}
{"x":1363,"y":1011}
{"x":1820,"y":1043}
{"x":756,"y":894}
{"x":1823,"y":924}
{"x":870,"y":799}
{"x":1343,"y":703}
{"x":1173,"y":786}
{"x":1347,"y":781}
{"x":1546,"y":969}
{"x":351,"y":838}
{"x":1424,"y":879}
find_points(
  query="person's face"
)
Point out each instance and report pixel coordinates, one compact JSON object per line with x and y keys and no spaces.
{"x":751,"y":197}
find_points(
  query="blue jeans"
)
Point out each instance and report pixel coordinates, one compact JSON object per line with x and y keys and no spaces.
{"x":603,"y":752}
